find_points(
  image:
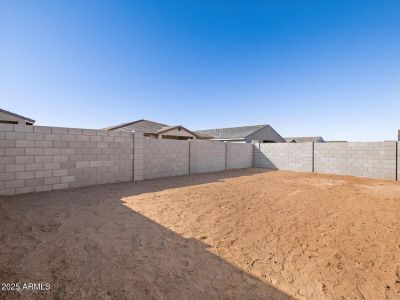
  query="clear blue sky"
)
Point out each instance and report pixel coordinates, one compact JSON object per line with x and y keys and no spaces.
{"x":329,"y":68}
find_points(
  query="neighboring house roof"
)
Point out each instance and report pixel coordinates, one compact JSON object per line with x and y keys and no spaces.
{"x":168,"y":128}
{"x":204,"y":136}
{"x":148,"y":127}
{"x":140,"y":125}
{"x":304,"y":139}
{"x":232,"y":133}
{"x":16,"y":115}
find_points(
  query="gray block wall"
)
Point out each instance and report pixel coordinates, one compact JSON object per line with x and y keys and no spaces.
{"x":39,"y":158}
{"x":284,"y":156}
{"x":164,"y":158}
{"x":239,"y":156}
{"x":138,"y":156}
{"x":207,"y":156}
{"x":374,"y":160}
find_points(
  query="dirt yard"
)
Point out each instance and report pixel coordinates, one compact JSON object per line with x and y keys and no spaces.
{"x":246,"y":234}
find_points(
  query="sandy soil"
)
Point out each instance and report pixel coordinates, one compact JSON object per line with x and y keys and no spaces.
{"x":246,"y":234}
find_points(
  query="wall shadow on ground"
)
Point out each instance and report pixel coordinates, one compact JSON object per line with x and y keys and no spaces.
{"x":88,"y":245}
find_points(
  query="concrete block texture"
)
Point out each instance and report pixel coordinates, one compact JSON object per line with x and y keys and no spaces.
{"x":372,"y":159}
{"x":207,"y":156}
{"x":138,"y":156}
{"x":284,"y":156}
{"x":41,"y":158}
{"x":239,"y":155}
{"x":164,"y":158}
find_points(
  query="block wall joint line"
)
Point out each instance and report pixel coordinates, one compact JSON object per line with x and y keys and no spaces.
{"x":313,"y":157}
{"x":226,"y":156}
{"x":133,"y":157}
{"x":189,"y":154}
{"x":397,"y":161}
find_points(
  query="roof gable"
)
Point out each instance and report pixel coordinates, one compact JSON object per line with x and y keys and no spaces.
{"x":142,"y":125}
{"x":16,"y":115}
{"x":166,"y":129}
{"x":266,"y":134}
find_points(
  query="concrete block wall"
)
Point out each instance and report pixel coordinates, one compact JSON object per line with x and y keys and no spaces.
{"x":374,"y":160}
{"x":207,"y":156}
{"x":39,"y":158}
{"x":164,"y":158}
{"x":284,"y":156}
{"x":398,"y":160}
{"x":138,"y":156}
{"x":239,"y":155}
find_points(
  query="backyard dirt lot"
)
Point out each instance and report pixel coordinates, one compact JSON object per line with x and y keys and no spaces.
{"x":245,"y":234}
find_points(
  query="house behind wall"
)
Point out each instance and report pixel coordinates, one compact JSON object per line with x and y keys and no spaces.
{"x":158,"y":130}
{"x":244,"y":134}
{"x":7,"y":117}
{"x":305,"y":139}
